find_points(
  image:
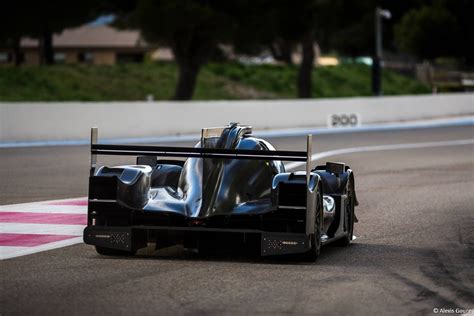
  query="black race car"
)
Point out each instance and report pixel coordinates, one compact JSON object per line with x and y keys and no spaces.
{"x":232,"y":190}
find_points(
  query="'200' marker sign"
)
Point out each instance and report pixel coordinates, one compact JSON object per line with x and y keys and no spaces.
{"x":344,"y":120}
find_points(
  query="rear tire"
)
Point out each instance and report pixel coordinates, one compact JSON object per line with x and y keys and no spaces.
{"x":313,"y":254}
{"x":113,"y":252}
{"x":349,"y":212}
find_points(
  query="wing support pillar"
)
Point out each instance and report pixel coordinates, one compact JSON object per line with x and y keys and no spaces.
{"x":310,"y":199}
{"x":93,"y":157}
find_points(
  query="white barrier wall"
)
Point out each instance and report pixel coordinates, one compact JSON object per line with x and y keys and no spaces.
{"x":53,"y":121}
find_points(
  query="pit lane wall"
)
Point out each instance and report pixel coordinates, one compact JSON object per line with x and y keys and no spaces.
{"x":63,"y":121}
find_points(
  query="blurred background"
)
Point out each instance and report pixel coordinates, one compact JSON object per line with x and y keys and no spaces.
{"x":105,"y":50}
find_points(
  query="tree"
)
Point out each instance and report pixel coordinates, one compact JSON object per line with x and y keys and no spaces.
{"x":463,"y":10}
{"x":441,"y":29}
{"x":11,"y":30}
{"x":347,"y":27}
{"x":41,"y":19}
{"x":298,"y":25}
{"x":192,"y":29}
{"x":282,"y":50}
{"x":291,"y":23}
{"x":279,"y":26}
{"x":428,"y":32}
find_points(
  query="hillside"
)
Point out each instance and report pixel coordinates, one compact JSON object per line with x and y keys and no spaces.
{"x":216,"y":82}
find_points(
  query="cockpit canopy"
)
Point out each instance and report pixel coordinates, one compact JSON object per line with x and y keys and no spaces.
{"x":222,"y":185}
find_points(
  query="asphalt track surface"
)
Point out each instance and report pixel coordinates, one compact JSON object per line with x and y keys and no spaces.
{"x":414,"y":250}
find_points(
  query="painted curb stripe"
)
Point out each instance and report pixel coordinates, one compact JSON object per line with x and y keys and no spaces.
{"x":7,"y":252}
{"x":28,"y":228}
{"x":41,"y":229}
{"x":45,"y":209}
{"x":43,"y":218}
{"x":65,"y":206}
{"x":78,"y":202}
{"x":30,"y":240}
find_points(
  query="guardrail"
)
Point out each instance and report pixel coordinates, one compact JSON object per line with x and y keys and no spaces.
{"x":63,"y":121}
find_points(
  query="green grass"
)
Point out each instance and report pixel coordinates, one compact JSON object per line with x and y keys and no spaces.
{"x":215,"y":82}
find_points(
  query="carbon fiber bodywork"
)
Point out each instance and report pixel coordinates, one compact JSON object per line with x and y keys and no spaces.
{"x":231,"y":189}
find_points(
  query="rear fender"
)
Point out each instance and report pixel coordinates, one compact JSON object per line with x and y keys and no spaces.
{"x":292,"y":191}
{"x":125,"y":185}
{"x":335,"y":181}
{"x":338,"y":181}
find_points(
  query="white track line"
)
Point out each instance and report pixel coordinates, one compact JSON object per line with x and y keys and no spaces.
{"x":50,"y":229}
{"x":352,"y":150}
{"x":48,"y":203}
{"x":41,"y":208}
{"x":7,"y":252}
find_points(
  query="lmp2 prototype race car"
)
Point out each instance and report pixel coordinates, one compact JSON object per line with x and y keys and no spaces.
{"x":232,"y":190}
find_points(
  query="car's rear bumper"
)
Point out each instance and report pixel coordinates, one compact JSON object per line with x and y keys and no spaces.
{"x":135,"y":237}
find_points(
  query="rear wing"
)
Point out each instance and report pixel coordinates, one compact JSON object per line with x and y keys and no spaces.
{"x":193,"y":152}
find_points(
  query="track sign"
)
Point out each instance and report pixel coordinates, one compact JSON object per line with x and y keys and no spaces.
{"x":344,"y":120}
